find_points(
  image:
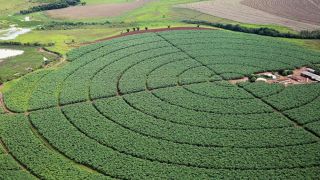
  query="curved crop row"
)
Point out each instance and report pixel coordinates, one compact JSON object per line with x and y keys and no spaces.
{"x":159,"y":106}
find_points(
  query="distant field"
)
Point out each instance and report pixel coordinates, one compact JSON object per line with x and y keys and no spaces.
{"x":12,"y":6}
{"x":97,"y":11}
{"x":159,"y":106}
{"x":106,"y":1}
{"x":303,"y":14}
{"x":155,"y":14}
{"x":307,"y":11}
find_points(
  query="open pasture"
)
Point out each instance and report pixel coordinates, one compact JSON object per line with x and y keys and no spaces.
{"x":159,"y":106}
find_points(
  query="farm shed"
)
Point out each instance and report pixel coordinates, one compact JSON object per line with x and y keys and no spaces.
{"x":310,"y":75}
{"x":310,"y":70}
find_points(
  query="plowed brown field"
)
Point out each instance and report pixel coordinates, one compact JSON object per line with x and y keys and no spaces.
{"x":300,"y":10}
{"x":305,"y":18}
{"x":96,"y":11}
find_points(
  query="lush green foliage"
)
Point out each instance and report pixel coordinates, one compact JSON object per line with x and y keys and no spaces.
{"x":24,"y":145}
{"x":294,"y":96}
{"x":261,"y":89}
{"x":49,"y":6}
{"x":159,"y":106}
{"x":1,"y":109}
{"x":18,"y":97}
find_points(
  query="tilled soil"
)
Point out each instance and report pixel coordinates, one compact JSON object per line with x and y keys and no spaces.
{"x":237,"y":11}
{"x":307,"y":11}
{"x":96,"y":11}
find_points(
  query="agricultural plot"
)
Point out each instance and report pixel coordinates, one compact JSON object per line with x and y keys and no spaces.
{"x":159,"y":106}
{"x":295,"y":14}
{"x":307,"y":11}
{"x":1,"y":109}
{"x":97,"y":11}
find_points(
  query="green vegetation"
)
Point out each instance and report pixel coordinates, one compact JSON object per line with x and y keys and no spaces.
{"x":68,"y":34}
{"x":14,"y":67}
{"x":52,"y":5}
{"x":28,"y":148}
{"x":1,"y":110}
{"x":17,"y":101}
{"x":285,"y":72}
{"x":65,"y":40}
{"x":159,"y":106}
{"x":154,"y":105}
{"x":260,"y":31}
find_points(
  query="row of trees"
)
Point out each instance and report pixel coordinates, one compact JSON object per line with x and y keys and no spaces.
{"x":261,"y":31}
{"x":55,"y":5}
{"x":69,"y":25}
{"x":12,"y":43}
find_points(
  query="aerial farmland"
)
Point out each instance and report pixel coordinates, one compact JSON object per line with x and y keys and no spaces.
{"x":155,"y":89}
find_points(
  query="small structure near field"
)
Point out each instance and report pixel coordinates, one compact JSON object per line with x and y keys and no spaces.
{"x":310,"y":75}
{"x":310,"y":70}
{"x":46,"y":61}
{"x":261,"y":79}
{"x":29,"y":69}
{"x":272,"y":76}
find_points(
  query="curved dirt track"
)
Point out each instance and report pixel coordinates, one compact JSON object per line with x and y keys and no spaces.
{"x":236,"y":11}
{"x":307,"y":11}
{"x":96,"y":11}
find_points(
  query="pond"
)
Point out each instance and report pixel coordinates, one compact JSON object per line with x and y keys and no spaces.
{"x":6,"y":53}
{"x":12,"y":32}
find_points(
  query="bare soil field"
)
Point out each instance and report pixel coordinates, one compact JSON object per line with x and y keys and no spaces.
{"x":300,"y":10}
{"x":96,"y":11}
{"x":237,"y":11}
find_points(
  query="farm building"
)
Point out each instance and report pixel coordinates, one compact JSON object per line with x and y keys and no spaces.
{"x":310,"y":75}
{"x":310,"y":70}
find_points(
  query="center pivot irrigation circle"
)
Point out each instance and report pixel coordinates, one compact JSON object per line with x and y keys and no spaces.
{"x":159,"y":105}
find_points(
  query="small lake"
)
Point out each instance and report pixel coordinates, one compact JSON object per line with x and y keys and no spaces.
{"x":6,"y":53}
{"x":12,"y":33}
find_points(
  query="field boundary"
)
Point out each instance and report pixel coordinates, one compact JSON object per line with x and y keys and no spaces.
{"x":147,"y":31}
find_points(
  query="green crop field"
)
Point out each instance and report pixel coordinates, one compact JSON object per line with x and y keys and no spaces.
{"x":160,"y":106}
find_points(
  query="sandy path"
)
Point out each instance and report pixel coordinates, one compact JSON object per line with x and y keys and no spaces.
{"x":94,"y":11}
{"x":234,"y":10}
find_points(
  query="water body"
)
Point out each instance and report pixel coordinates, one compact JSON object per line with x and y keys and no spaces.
{"x":13,"y":32}
{"x":6,"y":53}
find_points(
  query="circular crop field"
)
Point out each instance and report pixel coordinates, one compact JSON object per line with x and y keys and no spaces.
{"x":160,"y":106}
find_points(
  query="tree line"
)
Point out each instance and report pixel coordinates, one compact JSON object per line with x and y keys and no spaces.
{"x":36,"y":44}
{"x":260,"y":31}
{"x":54,"y":5}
